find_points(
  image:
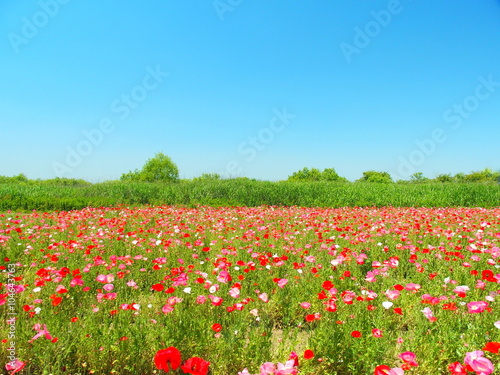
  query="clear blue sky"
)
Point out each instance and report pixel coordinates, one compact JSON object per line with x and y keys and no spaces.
{"x":257,"y":88}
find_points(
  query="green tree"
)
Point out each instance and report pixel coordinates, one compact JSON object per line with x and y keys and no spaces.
{"x":160,"y":168}
{"x":306,"y":174}
{"x":314,"y":174}
{"x":485,"y":175}
{"x":20,"y":178}
{"x":444,"y":178}
{"x":374,"y":176}
{"x":329,"y":174}
{"x":208,"y":177}
{"x":418,"y":177}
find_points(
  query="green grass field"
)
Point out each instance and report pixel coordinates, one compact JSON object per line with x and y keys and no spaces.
{"x":26,"y":197}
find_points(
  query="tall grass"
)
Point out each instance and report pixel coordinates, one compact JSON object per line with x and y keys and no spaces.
{"x":247,"y":193}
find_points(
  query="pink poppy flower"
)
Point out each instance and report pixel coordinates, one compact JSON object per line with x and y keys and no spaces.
{"x":478,"y":363}
{"x":15,"y":366}
{"x":376,"y":332}
{"x":392,"y":294}
{"x":412,"y":287}
{"x":267,"y":368}
{"x":477,"y":307}
{"x":286,"y":369}
{"x":409,"y":358}
{"x":41,"y":331}
{"x":282,"y":282}
{"x":429,"y":314}
{"x":264,"y":297}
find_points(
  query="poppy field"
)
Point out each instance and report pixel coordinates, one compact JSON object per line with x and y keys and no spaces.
{"x":250,"y":290}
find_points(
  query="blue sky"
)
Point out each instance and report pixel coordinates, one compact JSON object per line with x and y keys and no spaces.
{"x":92,"y":89}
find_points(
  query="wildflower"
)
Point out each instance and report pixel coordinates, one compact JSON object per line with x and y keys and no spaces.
{"x":386,"y":370}
{"x":492,"y":347}
{"x":15,"y":366}
{"x":295,"y":358}
{"x":428,"y":314}
{"x":376,"y":332}
{"x":282,"y":282}
{"x":456,"y":368}
{"x":409,"y":358}
{"x":392,"y":294}
{"x":195,"y":366}
{"x":382,"y":370}
{"x":310,"y":317}
{"x":286,"y":369}
{"x":308,"y":354}
{"x":478,"y":363}
{"x":477,"y":307}
{"x":167,"y":308}
{"x":217,"y":327}
{"x":167,"y":359}
{"x":158,"y":287}
{"x":41,"y":331}
{"x":387,"y":304}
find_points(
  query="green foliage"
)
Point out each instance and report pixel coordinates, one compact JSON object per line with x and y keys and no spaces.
{"x":486,"y":175}
{"x":444,"y":178}
{"x":246,"y":192}
{"x":314,"y":174}
{"x":58,"y":181}
{"x":418,"y":177}
{"x":20,"y":178}
{"x":208,"y":177}
{"x":329,"y":174}
{"x":378,"y":177}
{"x":160,"y":168}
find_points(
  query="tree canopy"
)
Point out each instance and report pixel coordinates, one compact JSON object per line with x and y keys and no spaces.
{"x":314,"y":174}
{"x":160,"y":168}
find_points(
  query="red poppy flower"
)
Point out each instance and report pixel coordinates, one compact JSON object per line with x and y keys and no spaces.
{"x":217,"y":327}
{"x":56,"y":300}
{"x":308,"y":354}
{"x":169,"y":358}
{"x":456,"y":368}
{"x":398,"y":310}
{"x":356,"y":334}
{"x":157,"y":287}
{"x":327,"y":285}
{"x":492,"y":347}
{"x":195,"y":366}
{"x":382,"y":370}
{"x":310,"y":318}
{"x":450,"y":306}
{"x":487,"y":274}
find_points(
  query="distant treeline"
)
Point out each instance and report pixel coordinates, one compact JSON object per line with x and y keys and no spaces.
{"x":304,"y":175}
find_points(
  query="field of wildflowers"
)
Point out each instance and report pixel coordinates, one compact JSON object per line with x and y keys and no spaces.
{"x":238,"y":290}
